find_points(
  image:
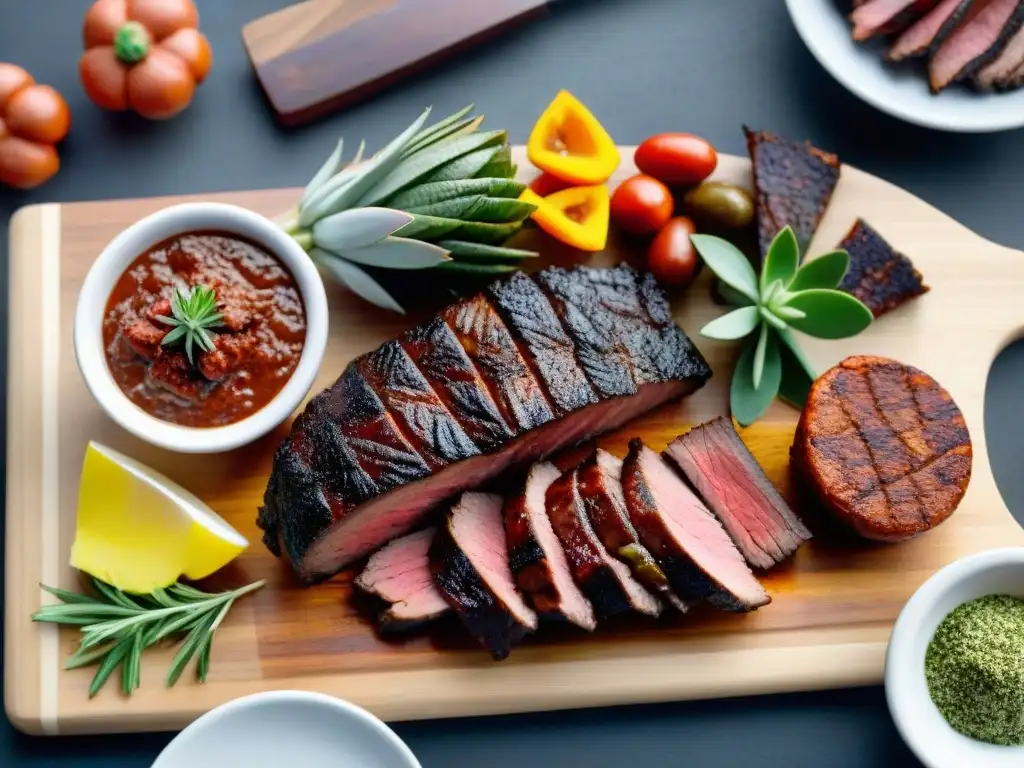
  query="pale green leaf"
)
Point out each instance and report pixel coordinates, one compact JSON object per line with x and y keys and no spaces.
{"x":796,"y":381}
{"x":791,"y":343}
{"x":731,"y":296}
{"x":788,"y":313}
{"x":110,"y":662}
{"x":357,"y":228}
{"x":748,"y":403}
{"x":735,"y":325}
{"x":460,"y":249}
{"x":830,"y":314}
{"x":759,"y":353}
{"x":330,"y":167}
{"x":825,"y":271}
{"x":781,"y":261}
{"x":441,"y":125}
{"x":428,"y":227}
{"x":439,"y":191}
{"x":461,"y":128}
{"x":465,"y":167}
{"x":728,"y":262}
{"x":357,"y":281}
{"x":398,"y":253}
{"x":771,"y":319}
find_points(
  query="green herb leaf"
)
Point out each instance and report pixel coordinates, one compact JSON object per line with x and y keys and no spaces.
{"x":456,"y":208}
{"x":194,"y":310}
{"x":729,"y":263}
{"x":437,"y":129}
{"x":460,"y":128}
{"x":748,"y":403}
{"x":500,"y":165}
{"x":110,"y":662}
{"x":497,"y":210}
{"x":428,"y":227}
{"x":489,"y":234}
{"x":781,"y":261}
{"x":356,"y":280}
{"x":398,"y":253}
{"x":732,"y":297}
{"x":330,"y":167}
{"x":439,"y":191}
{"x":830,"y":314}
{"x":357,"y":228}
{"x":796,"y":381}
{"x":461,"y":249}
{"x":466,"y":167}
{"x":825,"y":271}
{"x":735,"y":325}
{"x":469,"y":268}
{"x":771,"y":318}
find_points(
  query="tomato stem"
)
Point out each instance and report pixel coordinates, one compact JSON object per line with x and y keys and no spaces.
{"x":131,"y":43}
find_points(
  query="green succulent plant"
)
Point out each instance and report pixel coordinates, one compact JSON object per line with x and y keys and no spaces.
{"x":441,"y":197}
{"x":786,"y":297}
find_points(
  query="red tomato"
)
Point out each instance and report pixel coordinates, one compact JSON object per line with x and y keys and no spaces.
{"x":676,"y":158}
{"x":671,"y":258}
{"x":641,"y":205}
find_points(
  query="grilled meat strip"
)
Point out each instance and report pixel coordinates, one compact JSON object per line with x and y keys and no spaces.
{"x":887,"y":17}
{"x":727,"y":476}
{"x":399,"y":576}
{"x":469,"y":560}
{"x":369,"y":457}
{"x":536,"y":557}
{"x":879,"y":276}
{"x":793,"y":185}
{"x":690,"y":545}
{"x":606,"y":581}
{"x":600,"y":487}
{"x":927,"y":34}
{"x":982,"y":35}
{"x":999,"y":73}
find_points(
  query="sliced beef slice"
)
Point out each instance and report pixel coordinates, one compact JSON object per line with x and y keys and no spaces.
{"x":928,"y":33}
{"x":605,"y":580}
{"x":417,"y":410}
{"x":600,"y":486}
{"x":690,"y":545}
{"x":469,"y":561}
{"x":535,"y":556}
{"x":994,"y":75}
{"x":544,"y":342}
{"x":986,"y":29}
{"x":490,"y":346}
{"x":793,"y":185}
{"x":399,"y":576}
{"x":879,"y":276}
{"x":887,"y":17}
{"x":719,"y":465}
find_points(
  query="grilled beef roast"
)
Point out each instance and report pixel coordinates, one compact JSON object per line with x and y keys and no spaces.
{"x":1000,"y":72}
{"x":469,"y":560}
{"x":535,"y":555}
{"x":793,"y":185}
{"x":727,"y":476}
{"x":605,"y":580}
{"x":927,"y":34}
{"x":879,"y":276}
{"x":883,"y":447}
{"x":600,"y":487}
{"x":887,"y":17}
{"x":980,"y":37}
{"x":399,"y":576}
{"x":363,"y":465}
{"x":690,"y":545}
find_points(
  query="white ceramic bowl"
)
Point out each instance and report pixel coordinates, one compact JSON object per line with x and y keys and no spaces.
{"x":287,"y":728}
{"x":901,"y":90}
{"x":922,"y":726}
{"x":130,"y":244}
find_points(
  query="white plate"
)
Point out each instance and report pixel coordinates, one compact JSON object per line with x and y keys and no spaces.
{"x":901,"y":90}
{"x":287,"y":728}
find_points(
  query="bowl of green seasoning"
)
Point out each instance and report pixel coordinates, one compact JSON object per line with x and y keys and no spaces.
{"x":954,"y":671}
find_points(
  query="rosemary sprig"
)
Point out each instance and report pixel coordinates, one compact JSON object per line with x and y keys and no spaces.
{"x":118,"y":627}
{"x":194,"y":312}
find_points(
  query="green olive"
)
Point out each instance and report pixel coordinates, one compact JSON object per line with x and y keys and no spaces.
{"x":720,"y":205}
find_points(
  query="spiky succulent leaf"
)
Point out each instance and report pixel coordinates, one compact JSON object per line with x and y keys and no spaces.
{"x":460,"y":249}
{"x":357,"y":280}
{"x":465,"y":167}
{"x":327,"y":170}
{"x":456,"y":208}
{"x":459,"y":128}
{"x":489,"y":234}
{"x":469,"y":268}
{"x":498,"y":210}
{"x":398,"y":253}
{"x":357,"y":228}
{"x":437,"y":128}
{"x":500,"y":165}
{"x":428,"y":227}
{"x":439,"y":191}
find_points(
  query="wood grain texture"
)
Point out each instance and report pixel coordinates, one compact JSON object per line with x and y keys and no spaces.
{"x":322,"y":55}
{"x":833,"y":604}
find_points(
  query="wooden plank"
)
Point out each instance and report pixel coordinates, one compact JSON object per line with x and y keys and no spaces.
{"x":832,"y":607}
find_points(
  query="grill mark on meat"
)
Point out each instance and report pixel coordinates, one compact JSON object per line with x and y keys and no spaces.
{"x":490,"y":346}
{"x":543,"y":342}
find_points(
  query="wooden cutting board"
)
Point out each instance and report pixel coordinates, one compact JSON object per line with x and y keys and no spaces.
{"x":833,"y":605}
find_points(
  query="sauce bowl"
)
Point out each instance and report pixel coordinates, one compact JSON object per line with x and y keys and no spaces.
{"x":922,"y":726}
{"x":143,"y":235}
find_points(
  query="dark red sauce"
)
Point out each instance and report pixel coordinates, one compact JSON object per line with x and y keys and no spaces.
{"x":257,"y":347}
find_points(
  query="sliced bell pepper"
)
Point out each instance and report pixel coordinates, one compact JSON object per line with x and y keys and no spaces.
{"x":569,"y":142}
{"x":577,"y":216}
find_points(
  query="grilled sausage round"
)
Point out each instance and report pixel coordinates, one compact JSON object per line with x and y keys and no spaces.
{"x":883,"y":447}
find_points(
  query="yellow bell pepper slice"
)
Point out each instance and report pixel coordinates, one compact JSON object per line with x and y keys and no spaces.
{"x":577,"y":216}
{"x":569,"y":142}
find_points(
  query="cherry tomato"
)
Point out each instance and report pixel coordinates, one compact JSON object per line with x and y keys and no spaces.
{"x":641,"y":205}
{"x":671,"y":258}
{"x":676,"y":158}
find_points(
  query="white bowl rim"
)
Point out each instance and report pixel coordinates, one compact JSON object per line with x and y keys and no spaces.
{"x":898,"y":672}
{"x":144,"y":234}
{"x":378,"y":726}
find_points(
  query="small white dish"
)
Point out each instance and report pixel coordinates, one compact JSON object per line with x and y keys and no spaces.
{"x":922,"y":726}
{"x":131,"y":243}
{"x":287,"y":728}
{"x":901,"y":90}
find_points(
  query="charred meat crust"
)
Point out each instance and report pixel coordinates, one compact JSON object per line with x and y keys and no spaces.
{"x":954,"y":60}
{"x":928,"y":32}
{"x":883,"y":447}
{"x":879,"y":276}
{"x":874,"y":21}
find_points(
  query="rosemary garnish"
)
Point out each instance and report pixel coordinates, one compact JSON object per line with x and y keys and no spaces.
{"x":118,"y":627}
{"x":194,"y":312}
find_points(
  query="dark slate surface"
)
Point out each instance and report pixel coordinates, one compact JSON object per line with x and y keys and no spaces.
{"x":643,"y":66}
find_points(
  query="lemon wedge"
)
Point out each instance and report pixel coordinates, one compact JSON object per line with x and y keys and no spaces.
{"x":139,"y":530}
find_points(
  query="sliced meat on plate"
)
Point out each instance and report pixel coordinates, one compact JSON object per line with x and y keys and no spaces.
{"x":887,"y":17}
{"x":725,"y":473}
{"x":879,"y":276}
{"x":469,"y":560}
{"x":690,"y":545}
{"x":985,"y":30}
{"x":1000,"y":71}
{"x":399,"y":576}
{"x":605,"y":580}
{"x":600,"y":487}
{"x":925,"y":35}
{"x":537,"y":560}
